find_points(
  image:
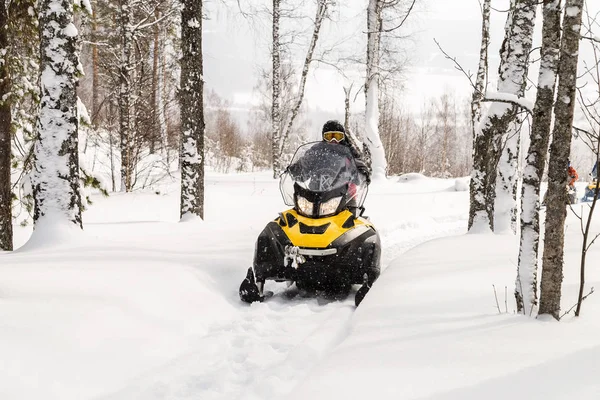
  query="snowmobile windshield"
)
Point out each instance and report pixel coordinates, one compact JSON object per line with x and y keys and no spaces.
{"x":322,"y":167}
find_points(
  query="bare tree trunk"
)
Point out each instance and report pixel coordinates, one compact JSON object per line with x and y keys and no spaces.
{"x":347,"y":108}
{"x":322,"y":7}
{"x":155,"y":74}
{"x":6,"y":232}
{"x":192,"y":111}
{"x":526,"y":282}
{"x":56,"y":160}
{"x":372,"y":139}
{"x":95,"y":71}
{"x":124,"y":96}
{"x":502,"y":120}
{"x":479,"y":214}
{"x":556,"y":213}
{"x":160,"y":101}
{"x":275,"y":107}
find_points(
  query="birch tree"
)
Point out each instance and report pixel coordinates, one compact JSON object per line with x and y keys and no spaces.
{"x":501,"y":124}
{"x":56,"y":174}
{"x":526,"y":282}
{"x":513,"y":80}
{"x":395,"y":13}
{"x":6,"y":236}
{"x":276,"y":143}
{"x":192,"y":111}
{"x":125,"y":92}
{"x":282,"y":123}
{"x":372,"y":138}
{"x":479,"y":214}
{"x":556,"y":213}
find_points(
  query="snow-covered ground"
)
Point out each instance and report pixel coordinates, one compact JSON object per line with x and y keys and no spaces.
{"x":139,"y":306}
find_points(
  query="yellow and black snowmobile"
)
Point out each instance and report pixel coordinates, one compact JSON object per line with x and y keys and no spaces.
{"x":590,"y":190}
{"x":322,"y":243}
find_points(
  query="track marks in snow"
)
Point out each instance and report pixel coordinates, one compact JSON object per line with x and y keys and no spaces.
{"x":262,"y":353}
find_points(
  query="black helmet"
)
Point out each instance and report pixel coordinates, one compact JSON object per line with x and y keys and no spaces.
{"x":333,"y":129}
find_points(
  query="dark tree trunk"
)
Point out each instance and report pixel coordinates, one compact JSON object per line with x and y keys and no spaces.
{"x":192,"y":110}
{"x":526,"y":282}
{"x":556,"y":212}
{"x":478,"y":212}
{"x":6,"y":234}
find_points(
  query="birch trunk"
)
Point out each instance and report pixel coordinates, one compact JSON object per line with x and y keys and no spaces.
{"x":322,"y":6}
{"x":6,"y":232}
{"x":556,"y":212}
{"x":124,"y":97}
{"x":192,"y":111}
{"x":276,"y":104}
{"x":56,"y":164}
{"x":526,"y":282}
{"x":478,"y":211}
{"x":373,"y":140}
{"x":501,"y":123}
{"x":95,"y":71}
{"x":512,"y":80}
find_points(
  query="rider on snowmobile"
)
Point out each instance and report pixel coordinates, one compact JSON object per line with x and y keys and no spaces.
{"x":334,"y":132}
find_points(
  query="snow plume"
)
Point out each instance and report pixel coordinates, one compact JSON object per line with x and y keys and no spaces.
{"x":56,"y":171}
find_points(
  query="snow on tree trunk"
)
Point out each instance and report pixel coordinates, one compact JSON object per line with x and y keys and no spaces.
{"x":56,"y":164}
{"x":372,"y":138}
{"x":276,"y":104}
{"x":478,"y":213}
{"x":503,"y":120}
{"x":526,"y":282}
{"x":192,"y":111}
{"x":556,"y":212}
{"x":6,"y":233}
{"x":124,"y":97}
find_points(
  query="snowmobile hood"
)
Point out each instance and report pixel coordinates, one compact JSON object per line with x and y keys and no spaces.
{"x":318,"y":232}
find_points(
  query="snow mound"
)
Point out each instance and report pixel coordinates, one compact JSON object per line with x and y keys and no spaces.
{"x":462,"y":184}
{"x":411,"y":177}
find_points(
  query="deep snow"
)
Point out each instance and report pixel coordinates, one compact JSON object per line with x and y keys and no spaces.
{"x":139,"y":306}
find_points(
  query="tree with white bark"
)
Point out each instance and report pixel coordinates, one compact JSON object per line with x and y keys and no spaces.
{"x":56,"y":160}
{"x":380,"y":14}
{"x":282,"y":125}
{"x":556,"y":213}
{"x":526,"y":282}
{"x":496,"y":175}
{"x":192,"y":111}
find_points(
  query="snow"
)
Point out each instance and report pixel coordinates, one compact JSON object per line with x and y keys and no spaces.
{"x":573,"y":11}
{"x":139,"y":306}
{"x":508,"y":97}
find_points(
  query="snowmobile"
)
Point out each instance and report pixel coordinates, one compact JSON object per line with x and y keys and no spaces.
{"x":590,"y":190}
{"x":323,"y":243}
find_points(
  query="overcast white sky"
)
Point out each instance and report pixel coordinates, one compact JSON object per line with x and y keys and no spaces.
{"x":235,"y":48}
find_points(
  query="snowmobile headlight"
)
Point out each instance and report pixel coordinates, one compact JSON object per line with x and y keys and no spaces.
{"x":305,"y":206}
{"x":330,"y":206}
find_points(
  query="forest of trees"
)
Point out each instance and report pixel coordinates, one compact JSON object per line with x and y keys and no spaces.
{"x":122,"y":82}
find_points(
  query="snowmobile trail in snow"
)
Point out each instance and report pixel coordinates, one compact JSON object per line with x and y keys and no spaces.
{"x":263,"y":350}
{"x":269,"y":347}
{"x":261,"y":354}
